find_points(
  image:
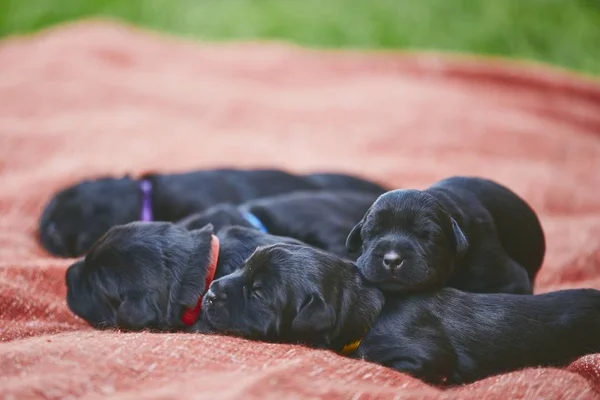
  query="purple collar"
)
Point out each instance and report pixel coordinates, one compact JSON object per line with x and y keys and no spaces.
{"x":146,"y":188}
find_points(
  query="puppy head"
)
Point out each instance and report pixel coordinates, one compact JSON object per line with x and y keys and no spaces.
{"x":77,"y":216}
{"x":408,"y":241}
{"x":293,"y":293}
{"x":140,"y":276}
{"x":219,"y":216}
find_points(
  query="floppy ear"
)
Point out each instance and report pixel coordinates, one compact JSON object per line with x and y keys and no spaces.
{"x":206,"y":229}
{"x":460,"y":241}
{"x":135,"y":313}
{"x":314,"y":316}
{"x":354,"y":240}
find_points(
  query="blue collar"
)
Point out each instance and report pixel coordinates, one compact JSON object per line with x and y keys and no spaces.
{"x":254,"y":221}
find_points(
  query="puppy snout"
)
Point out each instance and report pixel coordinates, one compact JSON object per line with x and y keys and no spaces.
{"x":392,"y":260}
{"x":214,"y":295}
{"x":54,"y":237}
{"x":72,"y":274}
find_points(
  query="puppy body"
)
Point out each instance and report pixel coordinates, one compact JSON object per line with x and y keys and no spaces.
{"x":320,"y":219}
{"x":457,"y":337}
{"x":145,"y":275}
{"x":469,"y":233}
{"x":291,"y":293}
{"x":77,"y":216}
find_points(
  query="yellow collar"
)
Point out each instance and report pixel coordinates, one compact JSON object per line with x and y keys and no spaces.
{"x":351,"y":347}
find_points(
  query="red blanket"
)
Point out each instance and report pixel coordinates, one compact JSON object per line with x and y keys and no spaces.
{"x":96,"y":98}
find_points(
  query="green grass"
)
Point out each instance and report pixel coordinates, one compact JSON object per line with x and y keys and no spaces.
{"x":562,"y":32}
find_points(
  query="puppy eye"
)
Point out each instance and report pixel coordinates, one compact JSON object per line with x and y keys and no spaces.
{"x":258,"y":294}
{"x":256,"y":286}
{"x":257,"y":290}
{"x":424,"y":234}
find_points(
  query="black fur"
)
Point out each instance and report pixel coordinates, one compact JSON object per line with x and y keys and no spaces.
{"x":292,"y":293}
{"x":144,"y":275}
{"x":469,"y":233}
{"x":454,"y":337}
{"x":77,"y":216}
{"x":321,"y":219}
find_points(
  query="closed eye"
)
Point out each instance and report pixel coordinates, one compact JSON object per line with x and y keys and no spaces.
{"x":258,"y":294}
{"x":424,"y":234}
{"x":256,"y":289}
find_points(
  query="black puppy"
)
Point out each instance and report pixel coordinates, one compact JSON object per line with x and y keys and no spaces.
{"x":292,"y":293}
{"x":468,"y":233}
{"x":77,"y":216}
{"x":153,"y":275}
{"x":321,"y":219}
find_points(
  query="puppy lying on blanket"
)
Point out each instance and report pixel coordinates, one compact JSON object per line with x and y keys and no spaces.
{"x":153,"y":275}
{"x":294,"y":293}
{"x":77,"y":216}
{"x":322,"y":219}
{"x":468,"y":233}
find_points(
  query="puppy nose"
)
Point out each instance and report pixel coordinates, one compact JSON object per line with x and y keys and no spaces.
{"x":392,"y":260}
{"x":213,"y":296}
{"x":55,"y":236}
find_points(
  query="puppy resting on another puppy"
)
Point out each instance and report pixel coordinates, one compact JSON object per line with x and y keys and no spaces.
{"x":322,"y":219}
{"x":297,"y":294}
{"x":153,"y":275}
{"x":468,"y":233}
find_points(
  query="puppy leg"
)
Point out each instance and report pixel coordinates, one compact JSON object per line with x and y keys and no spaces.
{"x":516,"y":279}
{"x":491,"y":270}
{"x":424,"y":351}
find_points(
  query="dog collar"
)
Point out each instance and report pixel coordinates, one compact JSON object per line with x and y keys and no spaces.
{"x":146,"y":212}
{"x":351,"y":347}
{"x":254,"y":221}
{"x":190,"y":316}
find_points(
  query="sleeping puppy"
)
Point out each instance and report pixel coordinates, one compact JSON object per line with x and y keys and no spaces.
{"x":152,"y":275}
{"x":297,"y":294}
{"x":468,"y":233}
{"x":78,"y":215}
{"x":321,"y":219}
{"x":293,"y":293}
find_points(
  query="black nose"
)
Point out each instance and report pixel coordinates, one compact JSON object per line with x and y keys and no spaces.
{"x":55,"y":238}
{"x":392,"y":260}
{"x":214,"y":294}
{"x":72,"y":274}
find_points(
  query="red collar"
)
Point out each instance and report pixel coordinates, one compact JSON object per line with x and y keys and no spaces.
{"x":190,"y":316}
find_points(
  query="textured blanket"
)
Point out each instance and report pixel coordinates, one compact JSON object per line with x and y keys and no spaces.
{"x":99,"y":98}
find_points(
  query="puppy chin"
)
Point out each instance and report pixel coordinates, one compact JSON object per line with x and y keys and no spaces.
{"x":215,"y":315}
{"x":100,"y":319}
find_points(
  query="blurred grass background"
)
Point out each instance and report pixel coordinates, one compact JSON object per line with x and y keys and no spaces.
{"x":562,"y":32}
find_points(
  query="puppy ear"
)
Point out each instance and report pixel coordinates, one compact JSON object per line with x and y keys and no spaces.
{"x":314,"y":316}
{"x":208,"y":228}
{"x":354,"y":240}
{"x":135,"y":313}
{"x":461,"y":243}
